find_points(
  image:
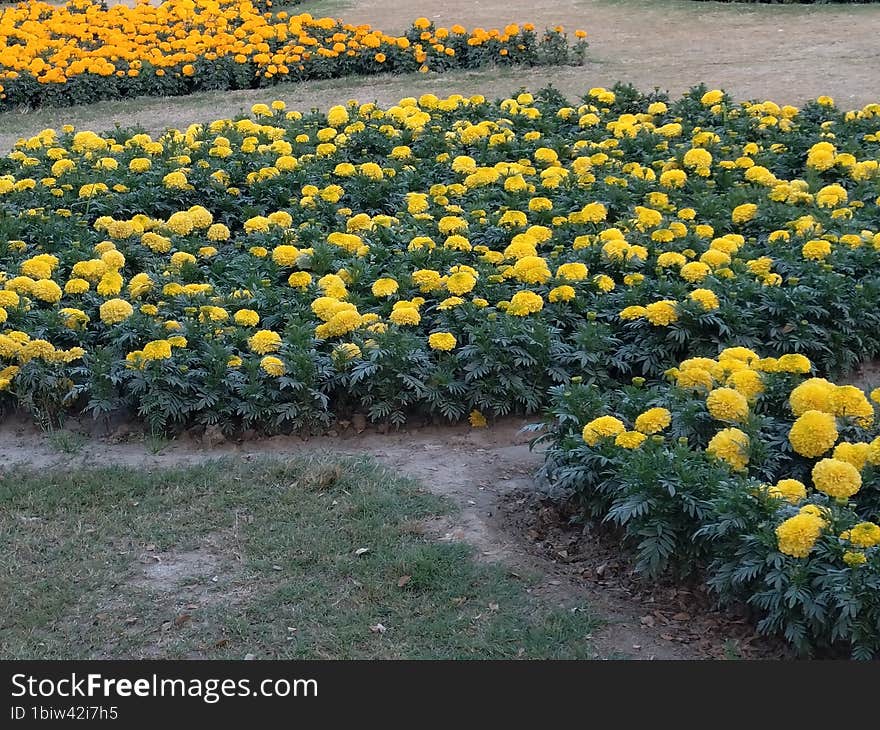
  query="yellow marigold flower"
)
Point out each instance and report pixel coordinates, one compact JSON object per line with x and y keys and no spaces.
{"x":345,"y":352}
{"x":140,"y":164}
{"x":427,"y":280}
{"x":794,"y":363}
{"x":442,"y":341}
{"x":744,"y":213}
{"x":813,"y":433}
{"x":281,"y":218}
{"x":114,"y":311}
{"x":157,"y":350}
{"x":629,"y":439}
{"x":110,"y":284}
{"x":816,"y":250}
{"x":635,"y":311}
{"x":652,"y":421}
{"x":748,"y":382}
{"x":175,"y":181}
{"x":831,"y":196}
{"x":662,"y":313}
{"x":546,"y":155}
{"x":848,"y":401}
{"x":218,"y":232}
{"x":864,"y":535}
{"x":731,"y":445}
{"x":836,"y":478}
{"x":285,"y":255}
{"x":272,"y":366}
{"x":76,"y":286}
{"x":74,"y":318}
{"x":257,"y":224}
{"x":337,"y":116}
{"x":698,"y":158}
{"x":46,"y":290}
{"x":694,"y":271}
{"x":264,"y":341}
{"x":531,"y":270}
{"x":874,"y":452}
{"x":405,"y":316}
{"x":450,"y":303}
{"x":814,"y":394}
{"x":602,"y":427}
{"x":791,"y":490}
{"x":524,"y":303}
{"x":853,"y":453}
{"x":299,"y":279}
{"x":574,"y":271}
{"x":727,"y":404}
{"x":673,"y":178}
{"x":563,"y":293}
{"x":694,"y":378}
{"x":384,"y":287}
{"x":113,"y":258}
{"x":180,"y":223}
{"x":706,"y":298}
{"x":461,"y":282}
{"x":604,"y":282}
{"x":477,"y":419}
{"x":247,"y":317}
{"x":798,"y":535}
{"x":37,"y":349}
{"x":9,"y":298}
{"x":710,"y":98}
{"x":854,"y":559}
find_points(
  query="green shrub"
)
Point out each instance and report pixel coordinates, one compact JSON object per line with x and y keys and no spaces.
{"x":736,"y":481}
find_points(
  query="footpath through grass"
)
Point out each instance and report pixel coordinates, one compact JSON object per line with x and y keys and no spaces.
{"x":314,"y":557}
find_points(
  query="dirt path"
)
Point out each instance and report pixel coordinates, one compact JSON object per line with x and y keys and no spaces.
{"x":483,"y":471}
{"x":788,"y":53}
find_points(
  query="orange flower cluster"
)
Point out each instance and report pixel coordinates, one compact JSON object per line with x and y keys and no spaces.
{"x":180,"y":46}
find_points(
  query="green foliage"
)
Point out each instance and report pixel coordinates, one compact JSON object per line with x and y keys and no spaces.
{"x":816,"y":603}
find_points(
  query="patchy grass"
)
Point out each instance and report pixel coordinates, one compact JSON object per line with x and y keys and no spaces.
{"x":316,"y":557}
{"x":66,"y":442}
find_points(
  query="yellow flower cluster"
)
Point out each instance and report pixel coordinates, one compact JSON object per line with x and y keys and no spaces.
{"x":843,"y":401}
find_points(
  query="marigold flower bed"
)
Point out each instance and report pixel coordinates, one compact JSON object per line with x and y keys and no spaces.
{"x":81,"y":52}
{"x":450,"y":257}
{"x":744,"y":468}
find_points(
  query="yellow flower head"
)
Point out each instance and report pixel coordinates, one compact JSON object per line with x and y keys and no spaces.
{"x":813,"y":433}
{"x":602,"y":427}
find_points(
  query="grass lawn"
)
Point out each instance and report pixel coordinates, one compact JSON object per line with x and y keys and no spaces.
{"x":313,"y":557}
